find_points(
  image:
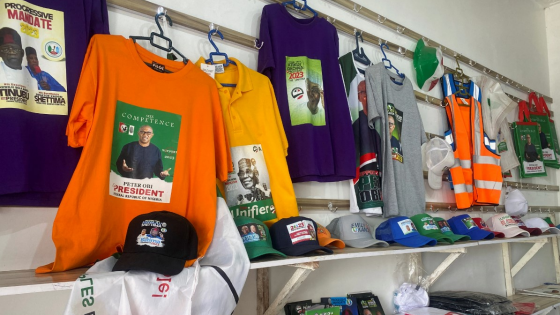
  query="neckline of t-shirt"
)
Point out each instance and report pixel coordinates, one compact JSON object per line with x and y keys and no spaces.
{"x":137,"y":51}
{"x":360,"y":75}
{"x":395,"y":76}
{"x":302,"y":23}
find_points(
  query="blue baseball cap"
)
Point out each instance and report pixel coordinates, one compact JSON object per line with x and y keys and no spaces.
{"x":464,"y":224}
{"x":402,"y":231}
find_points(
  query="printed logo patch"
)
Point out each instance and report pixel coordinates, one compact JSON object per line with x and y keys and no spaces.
{"x":252,"y":232}
{"x":469,"y":223}
{"x":444,"y":226}
{"x":123,"y":128}
{"x":507,"y":221}
{"x":428,"y":224}
{"x":297,"y":93}
{"x":152,"y":233}
{"x":302,"y":231}
{"x":359,"y":227}
{"x":407,"y":226}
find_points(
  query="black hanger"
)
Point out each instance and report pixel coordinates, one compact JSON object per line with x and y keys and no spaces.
{"x":461,"y":82}
{"x":170,"y":47}
{"x":218,"y":53}
{"x":358,"y":54}
{"x":297,"y":7}
{"x":390,"y":66}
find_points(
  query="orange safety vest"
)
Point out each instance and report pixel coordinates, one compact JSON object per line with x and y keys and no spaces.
{"x":476,"y":174}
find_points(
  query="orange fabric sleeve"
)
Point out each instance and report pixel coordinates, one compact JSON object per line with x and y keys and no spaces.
{"x":221,"y":145}
{"x":81,"y":116}
{"x":278,"y":120}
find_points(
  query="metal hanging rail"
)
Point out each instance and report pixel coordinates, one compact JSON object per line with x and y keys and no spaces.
{"x":365,"y":12}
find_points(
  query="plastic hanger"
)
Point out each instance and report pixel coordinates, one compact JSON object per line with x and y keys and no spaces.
{"x":153,"y":35}
{"x":359,"y":54}
{"x":390,"y":66}
{"x":298,"y":7}
{"x":460,"y":80}
{"x":218,"y":53}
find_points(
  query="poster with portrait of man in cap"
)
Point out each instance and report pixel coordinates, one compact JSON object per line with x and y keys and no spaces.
{"x":33,"y":60}
{"x":248,"y":186}
{"x":143,"y":153}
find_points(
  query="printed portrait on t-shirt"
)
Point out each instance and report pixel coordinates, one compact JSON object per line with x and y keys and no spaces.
{"x":32,"y":59}
{"x":143,"y":153}
{"x":394,"y":125}
{"x":304,"y":83}
{"x":248,"y":191}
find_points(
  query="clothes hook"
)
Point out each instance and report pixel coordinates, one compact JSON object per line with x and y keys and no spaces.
{"x":358,"y":10}
{"x":379,"y":19}
{"x":256,"y":44}
{"x":495,"y":209}
{"x":400,"y":29}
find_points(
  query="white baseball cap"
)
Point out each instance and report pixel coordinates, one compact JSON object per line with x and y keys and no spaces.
{"x":539,"y":223}
{"x":515,"y":203}
{"x":438,"y":156}
{"x":505,"y":224}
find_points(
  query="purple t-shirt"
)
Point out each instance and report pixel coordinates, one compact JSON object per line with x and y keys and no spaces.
{"x":300,"y":56}
{"x":41,"y":78}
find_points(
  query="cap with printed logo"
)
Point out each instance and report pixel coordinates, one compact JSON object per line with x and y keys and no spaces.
{"x":402,"y":231}
{"x":438,"y":156}
{"x":296,"y":236}
{"x":505,"y":224}
{"x":521,"y":225}
{"x":446,"y":230}
{"x":325,"y":238}
{"x":160,"y":242}
{"x":481,"y":224}
{"x":255,"y":237}
{"x":427,"y":226}
{"x":353,"y":231}
{"x":539,"y":223}
{"x":428,"y":63}
{"x":464,"y":224}
{"x":549,"y":221}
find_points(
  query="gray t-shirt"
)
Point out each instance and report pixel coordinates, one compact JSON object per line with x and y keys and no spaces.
{"x":402,"y":136}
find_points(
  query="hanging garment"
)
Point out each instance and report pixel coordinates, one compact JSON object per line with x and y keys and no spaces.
{"x":148,"y":145}
{"x":259,"y":186}
{"x":36,"y":93}
{"x":211,"y":286}
{"x":477,"y":176}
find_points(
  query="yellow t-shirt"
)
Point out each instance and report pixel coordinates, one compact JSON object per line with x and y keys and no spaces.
{"x":259,"y":186}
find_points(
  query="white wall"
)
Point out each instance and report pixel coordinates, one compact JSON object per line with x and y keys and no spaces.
{"x":488,"y":31}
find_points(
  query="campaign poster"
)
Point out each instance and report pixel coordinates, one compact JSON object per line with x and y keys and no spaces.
{"x":394,"y":123}
{"x":530,"y":149}
{"x":545,"y":137}
{"x":32,"y":58}
{"x":304,"y":83}
{"x":247,"y":188}
{"x":252,"y":232}
{"x":143,"y":153}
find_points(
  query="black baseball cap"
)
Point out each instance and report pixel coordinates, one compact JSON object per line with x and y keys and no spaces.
{"x":296,"y":236}
{"x":160,"y":242}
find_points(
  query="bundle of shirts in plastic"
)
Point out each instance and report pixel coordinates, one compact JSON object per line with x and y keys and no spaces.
{"x":475,"y":303}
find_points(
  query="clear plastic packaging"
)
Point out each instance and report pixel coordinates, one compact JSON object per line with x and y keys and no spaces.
{"x":475,"y":303}
{"x":413,"y":292}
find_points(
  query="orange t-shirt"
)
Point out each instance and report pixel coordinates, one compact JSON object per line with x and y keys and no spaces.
{"x":153,"y":140}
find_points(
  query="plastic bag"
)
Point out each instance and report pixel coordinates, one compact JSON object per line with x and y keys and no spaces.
{"x":475,"y":303}
{"x":413,"y":293}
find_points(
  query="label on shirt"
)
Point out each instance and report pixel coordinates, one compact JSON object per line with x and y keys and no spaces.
{"x":219,"y":68}
{"x":151,"y":233}
{"x":302,"y":231}
{"x":158,"y":67}
{"x":33,"y":66}
{"x":444,"y":226}
{"x":407,"y":226}
{"x":304,"y":83}
{"x":252,"y":232}
{"x":143,"y":161}
{"x":394,"y":124}
{"x":469,"y":223}
{"x":208,"y":69}
{"x":248,"y":186}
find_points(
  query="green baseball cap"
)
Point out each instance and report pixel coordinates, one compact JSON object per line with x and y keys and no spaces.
{"x":428,"y":63}
{"x":446,"y":230}
{"x":426,"y":226}
{"x":549,"y":221}
{"x":255,"y":237}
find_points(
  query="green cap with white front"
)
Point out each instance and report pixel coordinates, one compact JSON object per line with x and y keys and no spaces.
{"x":428,"y":63}
{"x":256,"y":237}
{"x":446,"y":230}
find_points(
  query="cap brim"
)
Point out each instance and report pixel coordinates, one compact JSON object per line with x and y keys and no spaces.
{"x":304,"y":249}
{"x":515,"y":231}
{"x":153,"y":262}
{"x":533,"y":231}
{"x":257,"y":251}
{"x":417,"y":241}
{"x":480,"y":234}
{"x":327,"y":241}
{"x":440,"y":237}
{"x":457,"y":237}
{"x":434,"y":180}
{"x":552,"y":230}
{"x":365,"y":242}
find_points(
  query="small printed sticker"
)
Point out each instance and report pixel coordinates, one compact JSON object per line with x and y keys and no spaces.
{"x":302,"y":231}
{"x":407,"y":226}
{"x":123,"y":128}
{"x":252,"y":232}
{"x":359,"y":227}
{"x":444,"y":226}
{"x":151,"y":234}
{"x":428,"y":224}
{"x":506,"y":221}
{"x":469,"y":223}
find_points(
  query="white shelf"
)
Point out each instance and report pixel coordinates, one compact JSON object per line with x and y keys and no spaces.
{"x":543,"y":304}
{"x":27,"y":281}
